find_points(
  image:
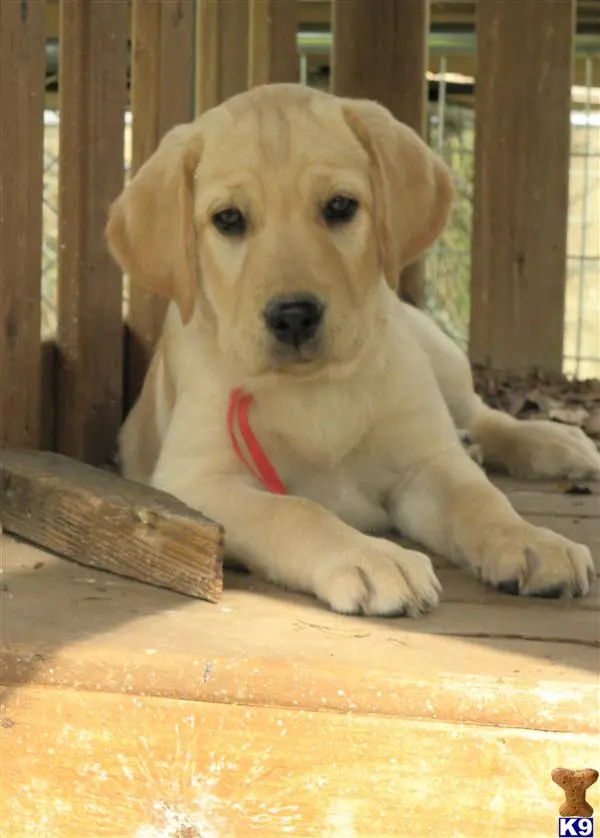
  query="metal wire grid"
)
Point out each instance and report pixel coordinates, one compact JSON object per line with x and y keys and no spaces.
{"x":582,"y":321}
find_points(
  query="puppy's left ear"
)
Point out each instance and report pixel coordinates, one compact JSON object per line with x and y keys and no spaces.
{"x":150,"y":230}
{"x":414,"y":193}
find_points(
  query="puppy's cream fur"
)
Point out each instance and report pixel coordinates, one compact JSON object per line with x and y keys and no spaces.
{"x":363,"y":431}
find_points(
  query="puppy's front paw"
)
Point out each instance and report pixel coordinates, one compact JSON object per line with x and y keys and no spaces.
{"x":542,"y":449}
{"x":532,"y":561}
{"x":379,"y":579}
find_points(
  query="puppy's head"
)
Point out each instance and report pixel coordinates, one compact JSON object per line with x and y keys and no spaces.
{"x":281,"y":214}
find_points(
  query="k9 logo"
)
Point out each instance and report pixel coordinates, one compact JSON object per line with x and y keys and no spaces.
{"x":576,"y":826}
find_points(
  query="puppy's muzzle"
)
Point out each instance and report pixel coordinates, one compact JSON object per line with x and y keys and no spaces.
{"x":294,"y":320}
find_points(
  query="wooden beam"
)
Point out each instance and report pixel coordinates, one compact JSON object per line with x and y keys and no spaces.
{"x":93,"y":61}
{"x":207,"y":55}
{"x":222,"y":35}
{"x":161,"y":72}
{"x":48,"y":391}
{"x":162,"y":96}
{"x":523,"y":105}
{"x":396,"y":33}
{"x":233,"y":47}
{"x":22,"y":72}
{"x":272,"y":50}
{"x":314,"y":12}
{"x":100,"y":520}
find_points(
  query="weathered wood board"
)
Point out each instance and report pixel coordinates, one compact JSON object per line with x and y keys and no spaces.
{"x":101,"y":520}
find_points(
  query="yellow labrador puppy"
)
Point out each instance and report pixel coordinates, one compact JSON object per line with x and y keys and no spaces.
{"x":293,"y":398}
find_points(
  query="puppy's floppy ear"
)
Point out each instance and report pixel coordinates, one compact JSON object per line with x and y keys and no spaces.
{"x":413,"y":187}
{"x":150,"y":230}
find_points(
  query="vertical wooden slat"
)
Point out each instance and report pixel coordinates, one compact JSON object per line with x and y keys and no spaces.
{"x":92,"y":84}
{"x":380,"y":52}
{"x":233,"y":47}
{"x":272,"y":50}
{"x":177,"y":63}
{"x":22,"y":71}
{"x":145,"y":79}
{"x":48,"y":398}
{"x":161,"y":96}
{"x":222,"y":34}
{"x":207,"y":55}
{"x":523,"y":103}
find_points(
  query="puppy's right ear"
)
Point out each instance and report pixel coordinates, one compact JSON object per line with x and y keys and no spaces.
{"x":150,"y":229}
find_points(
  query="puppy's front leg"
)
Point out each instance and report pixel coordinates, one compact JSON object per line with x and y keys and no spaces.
{"x":450,"y":506}
{"x":300,"y":545}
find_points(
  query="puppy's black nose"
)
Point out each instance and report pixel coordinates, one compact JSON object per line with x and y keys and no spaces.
{"x":294,"y":319}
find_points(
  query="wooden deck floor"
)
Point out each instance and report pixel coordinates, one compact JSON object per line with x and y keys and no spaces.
{"x":133,"y":711}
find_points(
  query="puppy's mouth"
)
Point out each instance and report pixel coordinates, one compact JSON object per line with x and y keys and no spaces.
{"x":298,"y":359}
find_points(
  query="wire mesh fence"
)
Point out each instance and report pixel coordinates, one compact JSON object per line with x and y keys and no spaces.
{"x":451,"y":132}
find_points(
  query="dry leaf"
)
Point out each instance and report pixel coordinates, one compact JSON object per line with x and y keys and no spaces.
{"x":536,"y":395}
{"x":569,"y":415}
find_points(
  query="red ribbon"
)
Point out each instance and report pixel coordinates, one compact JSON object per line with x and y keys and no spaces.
{"x":260,"y":467}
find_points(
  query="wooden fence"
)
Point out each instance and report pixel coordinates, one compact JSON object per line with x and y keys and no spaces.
{"x":188,"y":55}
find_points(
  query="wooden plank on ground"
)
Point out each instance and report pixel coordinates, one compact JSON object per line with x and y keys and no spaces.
{"x":93,"y":62}
{"x":103,"y":764}
{"x":100,"y":520}
{"x":523,"y":106}
{"x":531,"y":502}
{"x":162,"y":96}
{"x":272,"y":50}
{"x":396,"y":33}
{"x":481,"y":658}
{"x":22,"y":73}
{"x":514,"y":485}
{"x":222,"y":35}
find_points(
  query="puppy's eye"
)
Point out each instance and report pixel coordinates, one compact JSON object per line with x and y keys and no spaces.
{"x":339,"y":210}
{"x":230,"y":222}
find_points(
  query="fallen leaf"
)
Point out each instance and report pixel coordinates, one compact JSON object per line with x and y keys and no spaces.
{"x":578,"y":490}
{"x":569,"y":415}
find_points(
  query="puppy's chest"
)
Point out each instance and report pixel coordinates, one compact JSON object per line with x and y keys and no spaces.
{"x":311,"y":434}
{"x":327,"y":456}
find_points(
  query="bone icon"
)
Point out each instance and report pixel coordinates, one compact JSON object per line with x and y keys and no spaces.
{"x":575,"y":784}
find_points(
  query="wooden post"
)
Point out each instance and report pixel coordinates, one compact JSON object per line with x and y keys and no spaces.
{"x":523,"y":108}
{"x":272,"y":50}
{"x":222,"y":32}
{"x":22,"y":73}
{"x":380,"y":52}
{"x":93,"y":61}
{"x":161,"y":96}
